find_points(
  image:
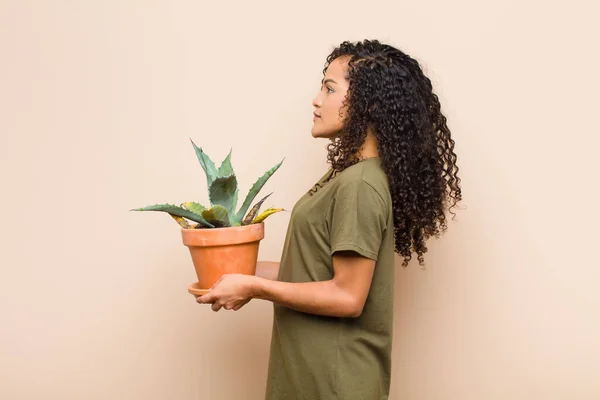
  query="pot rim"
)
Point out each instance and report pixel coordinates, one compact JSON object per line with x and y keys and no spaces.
{"x":240,"y":228}
{"x":231,"y":235}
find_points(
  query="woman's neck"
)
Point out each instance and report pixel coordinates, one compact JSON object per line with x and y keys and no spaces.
{"x":369,"y":148}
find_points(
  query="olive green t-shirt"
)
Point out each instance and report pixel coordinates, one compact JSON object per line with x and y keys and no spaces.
{"x":316,"y":357}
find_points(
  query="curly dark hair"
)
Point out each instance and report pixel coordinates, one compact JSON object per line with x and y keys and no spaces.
{"x":389,"y":93}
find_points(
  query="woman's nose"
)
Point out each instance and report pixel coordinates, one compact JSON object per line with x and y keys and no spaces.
{"x":317,"y":101}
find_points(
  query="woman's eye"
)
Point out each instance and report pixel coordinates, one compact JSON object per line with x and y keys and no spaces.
{"x":329,"y":90}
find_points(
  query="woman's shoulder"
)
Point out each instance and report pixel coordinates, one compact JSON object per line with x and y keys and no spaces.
{"x":369,"y":172}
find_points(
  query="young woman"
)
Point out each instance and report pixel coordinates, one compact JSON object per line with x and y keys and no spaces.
{"x":393,"y":175}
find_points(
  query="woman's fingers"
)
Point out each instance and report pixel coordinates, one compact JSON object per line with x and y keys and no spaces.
{"x":240,"y":305}
{"x":205,"y":298}
{"x":217,"y":305}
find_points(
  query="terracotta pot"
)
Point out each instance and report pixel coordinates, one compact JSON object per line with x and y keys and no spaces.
{"x":219,"y":251}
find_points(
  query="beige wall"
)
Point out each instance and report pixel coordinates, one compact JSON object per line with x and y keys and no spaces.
{"x":98,"y":101}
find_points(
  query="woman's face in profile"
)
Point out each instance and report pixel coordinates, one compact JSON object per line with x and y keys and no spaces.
{"x":329,"y":109}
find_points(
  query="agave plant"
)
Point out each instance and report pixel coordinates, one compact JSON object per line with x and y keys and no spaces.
{"x":223,"y":196}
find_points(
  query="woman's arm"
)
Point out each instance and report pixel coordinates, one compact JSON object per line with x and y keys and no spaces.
{"x":267,"y":270}
{"x":342,"y":296}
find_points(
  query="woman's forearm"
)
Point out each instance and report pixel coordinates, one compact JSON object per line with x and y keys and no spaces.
{"x":322,"y":298}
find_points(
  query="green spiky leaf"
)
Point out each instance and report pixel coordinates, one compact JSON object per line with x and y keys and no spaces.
{"x":223,"y":192}
{"x":253,"y":211}
{"x":207,"y":165}
{"x":254,"y":191}
{"x":177,"y":211}
{"x":234,"y":202}
{"x":217,"y":215}
{"x":196,"y":208}
{"x":226,"y":169}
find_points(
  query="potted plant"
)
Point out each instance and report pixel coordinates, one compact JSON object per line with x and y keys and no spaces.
{"x":220,"y":239}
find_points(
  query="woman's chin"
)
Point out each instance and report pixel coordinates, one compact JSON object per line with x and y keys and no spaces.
{"x":321,"y":135}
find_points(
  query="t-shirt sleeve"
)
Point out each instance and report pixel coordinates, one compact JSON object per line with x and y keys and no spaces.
{"x":357,"y":219}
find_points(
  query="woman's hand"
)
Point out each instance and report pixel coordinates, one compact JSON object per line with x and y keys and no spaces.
{"x":231,"y":292}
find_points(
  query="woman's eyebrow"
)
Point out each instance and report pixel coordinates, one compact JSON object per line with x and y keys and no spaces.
{"x":328,"y":80}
